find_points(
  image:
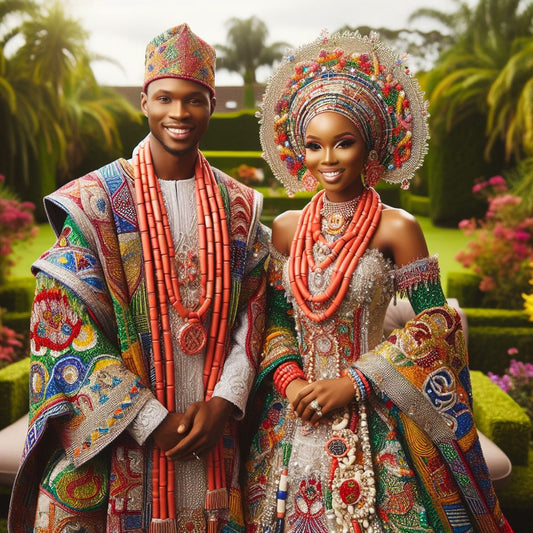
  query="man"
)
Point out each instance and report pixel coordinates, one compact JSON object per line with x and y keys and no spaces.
{"x":146,"y":327}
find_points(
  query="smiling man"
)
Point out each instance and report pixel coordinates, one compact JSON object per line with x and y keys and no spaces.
{"x":146,"y":327}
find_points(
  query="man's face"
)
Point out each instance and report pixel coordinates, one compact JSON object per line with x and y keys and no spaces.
{"x":178,"y":113}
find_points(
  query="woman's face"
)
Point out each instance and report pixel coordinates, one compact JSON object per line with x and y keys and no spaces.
{"x":335,"y":153}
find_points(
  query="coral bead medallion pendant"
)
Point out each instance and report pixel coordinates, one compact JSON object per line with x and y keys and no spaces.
{"x":192,"y":337}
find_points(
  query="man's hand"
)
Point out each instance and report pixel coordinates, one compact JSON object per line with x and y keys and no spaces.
{"x":166,"y":435}
{"x":200,"y":428}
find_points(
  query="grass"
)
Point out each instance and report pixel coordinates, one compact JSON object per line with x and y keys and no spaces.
{"x":25,"y":253}
{"x":446,"y":243}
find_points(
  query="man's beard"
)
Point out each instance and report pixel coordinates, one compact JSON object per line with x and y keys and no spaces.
{"x":176,"y":153}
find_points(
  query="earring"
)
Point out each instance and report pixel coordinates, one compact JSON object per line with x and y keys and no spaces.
{"x":373,"y":170}
{"x":309,"y":181}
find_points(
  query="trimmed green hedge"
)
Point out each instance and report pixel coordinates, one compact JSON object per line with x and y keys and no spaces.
{"x":500,"y":418}
{"x":452,"y":165}
{"x":488,"y":345}
{"x":465,"y":287}
{"x":479,"y":316}
{"x":232,"y":131}
{"x":14,"y":395}
{"x":17,"y":295}
{"x":18,"y":321}
{"x":517,"y":495}
{"x":416,"y":205}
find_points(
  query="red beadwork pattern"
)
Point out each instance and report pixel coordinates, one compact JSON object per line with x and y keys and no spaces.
{"x":345,"y":253}
{"x":192,"y":337}
{"x":350,"y":491}
{"x":54,"y":324}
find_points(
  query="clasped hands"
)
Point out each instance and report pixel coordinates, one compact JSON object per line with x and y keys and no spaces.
{"x":194,"y":432}
{"x":328,"y":394}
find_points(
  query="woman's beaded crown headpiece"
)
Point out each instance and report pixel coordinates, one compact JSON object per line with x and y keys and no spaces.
{"x":359,"y":77}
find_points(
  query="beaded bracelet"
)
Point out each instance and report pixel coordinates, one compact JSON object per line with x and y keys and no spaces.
{"x":360,"y":383}
{"x":285,"y":373}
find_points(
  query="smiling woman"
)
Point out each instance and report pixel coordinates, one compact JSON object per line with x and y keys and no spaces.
{"x":352,"y":420}
{"x":335,"y":153}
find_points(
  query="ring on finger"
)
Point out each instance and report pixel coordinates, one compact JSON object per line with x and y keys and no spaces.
{"x":315,"y":405}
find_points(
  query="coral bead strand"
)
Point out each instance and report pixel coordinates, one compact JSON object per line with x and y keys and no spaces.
{"x":345,"y":253}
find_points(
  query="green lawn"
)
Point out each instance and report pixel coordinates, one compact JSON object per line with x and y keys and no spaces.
{"x":445,"y":242}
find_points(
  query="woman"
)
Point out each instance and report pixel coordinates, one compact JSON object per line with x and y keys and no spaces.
{"x":358,"y":433}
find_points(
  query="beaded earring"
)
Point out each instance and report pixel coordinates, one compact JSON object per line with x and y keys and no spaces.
{"x":373,"y":170}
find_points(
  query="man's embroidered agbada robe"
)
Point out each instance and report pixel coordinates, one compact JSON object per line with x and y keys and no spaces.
{"x":87,"y":458}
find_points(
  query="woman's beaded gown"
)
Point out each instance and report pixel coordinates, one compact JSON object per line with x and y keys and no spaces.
{"x":356,"y":471}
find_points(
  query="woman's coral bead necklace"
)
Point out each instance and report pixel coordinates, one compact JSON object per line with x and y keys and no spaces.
{"x":344,"y":254}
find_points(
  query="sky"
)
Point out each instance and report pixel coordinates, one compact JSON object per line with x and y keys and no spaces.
{"x":120,"y":29}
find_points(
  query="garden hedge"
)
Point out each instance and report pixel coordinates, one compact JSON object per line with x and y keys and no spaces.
{"x":14,"y":396}
{"x":480,"y":316}
{"x":488,"y":345}
{"x":453,"y":163}
{"x":516,"y":498}
{"x":17,"y":295}
{"x":465,"y":287}
{"x":416,"y":205}
{"x":232,"y":131}
{"x":18,"y":321}
{"x":500,"y":418}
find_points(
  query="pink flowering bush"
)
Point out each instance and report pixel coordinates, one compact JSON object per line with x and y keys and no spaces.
{"x":501,"y":248}
{"x":517,"y":382}
{"x":11,"y":346}
{"x":16,"y":223}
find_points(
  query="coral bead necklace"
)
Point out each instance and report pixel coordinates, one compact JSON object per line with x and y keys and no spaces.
{"x":344,"y":253}
{"x":162,"y":286}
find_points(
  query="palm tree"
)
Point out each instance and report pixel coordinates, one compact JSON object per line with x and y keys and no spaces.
{"x":247,"y":51}
{"x":57,"y":109}
{"x":92,"y":113}
{"x":487,"y":72}
{"x":480,"y":95}
{"x":19,"y":121}
{"x":457,"y":23}
{"x":510,"y":101}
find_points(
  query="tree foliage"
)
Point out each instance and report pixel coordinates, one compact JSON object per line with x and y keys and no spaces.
{"x":51,"y":106}
{"x":247,"y":50}
{"x":489,"y":70}
{"x":480,"y":103}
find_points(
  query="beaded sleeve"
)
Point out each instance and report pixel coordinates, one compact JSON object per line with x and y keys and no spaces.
{"x":280,"y":343}
{"x":420,"y":282}
{"x":73,"y":358}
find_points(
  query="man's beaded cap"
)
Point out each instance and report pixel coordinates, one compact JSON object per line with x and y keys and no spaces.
{"x":360,"y":78}
{"x":180,"y":53}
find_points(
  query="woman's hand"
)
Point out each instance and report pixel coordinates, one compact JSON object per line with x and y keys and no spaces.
{"x":331,"y":394}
